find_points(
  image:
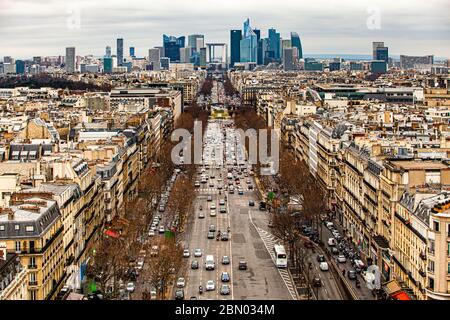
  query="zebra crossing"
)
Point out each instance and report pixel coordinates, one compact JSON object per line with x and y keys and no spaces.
{"x":269,"y":241}
{"x":215,"y":190}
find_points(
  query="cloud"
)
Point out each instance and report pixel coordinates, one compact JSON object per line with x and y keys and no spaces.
{"x":46,"y":27}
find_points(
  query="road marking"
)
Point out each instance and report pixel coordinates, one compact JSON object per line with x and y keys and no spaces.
{"x":269,"y":240}
{"x":231,"y":250}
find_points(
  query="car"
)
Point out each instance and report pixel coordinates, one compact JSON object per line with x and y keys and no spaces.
{"x":341,"y":258}
{"x":250,"y":187}
{"x":224,"y":236}
{"x":201,"y":215}
{"x":351,"y":274}
{"x":225,"y":277}
{"x":251,"y":203}
{"x":320,"y":258}
{"x":210,"y":235}
{"x":197,"y":252}
{"x":161,"y":229}
{"x":193,"y":298}
{"x":225,"y":289}
{"x":162,"y":208}
{"x":154,"y":251}
{"x":140,"y":264}
{"x":323,"y":266}
{"x":334,"y":250}
{"x":181,"y":282}
{"x":222,"y":202}
{"x":240,"y":192}
{"x":210,"y":286}
{"x":186,"y":253}
{"x":131,"y":287}
{"x":211,"y":184}
{"x":242,"y":265}
{"x":332,"y":242}
{"x":212,"y":213}
{"x":213,"y":206}
{"x":223,"y":209}
{"x":262,"y":206}
{"x":179,"y":294}
{"x":316,"y":282}
{"x":197,"y":184}
{"x":357,"y":263}
{"x":209,"y":198}
{"x":225,"y":260}
{"x":212,"y":228}
{"x":151,"y":233}
{"x":194,"y":264}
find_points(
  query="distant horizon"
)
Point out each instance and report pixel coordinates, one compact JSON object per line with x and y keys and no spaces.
{"x":345,"y":56}
{"x":45,"y":27}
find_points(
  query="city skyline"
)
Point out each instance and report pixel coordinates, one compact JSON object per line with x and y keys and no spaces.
{"x":348,"y":28}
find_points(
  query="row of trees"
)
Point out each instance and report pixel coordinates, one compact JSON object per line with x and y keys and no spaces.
{"x":114,"y":256}
{"x":46,"y":80}
{"x":228,"y":87}
{"x":207,"y":86}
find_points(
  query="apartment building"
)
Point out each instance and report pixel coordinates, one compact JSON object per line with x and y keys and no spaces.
{"x":32,"y":228}
{"x":13,"y":276}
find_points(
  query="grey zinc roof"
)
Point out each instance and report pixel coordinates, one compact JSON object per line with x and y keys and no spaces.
{"x":40,"y":221}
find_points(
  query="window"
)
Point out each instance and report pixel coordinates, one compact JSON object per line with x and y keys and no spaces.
{"x":431,"y":283}
{"x":448,"y":268}
{"x":436,"y":226}
{"x":32,"y":278}
{"x":29,"y":228}
{"x":431,"y":265}
{"x":32,"y":262}
{"x":16,"y":227}
{"x":2,"y":228}
{"x":17,"y":246}
{"x":32,"y":294}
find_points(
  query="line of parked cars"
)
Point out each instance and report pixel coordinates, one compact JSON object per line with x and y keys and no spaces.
{"x":344,"y":251}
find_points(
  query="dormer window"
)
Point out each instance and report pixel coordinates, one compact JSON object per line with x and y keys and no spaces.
{"x":16,"y":227}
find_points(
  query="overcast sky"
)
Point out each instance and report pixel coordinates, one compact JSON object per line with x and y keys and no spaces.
{"x":45,"y":27}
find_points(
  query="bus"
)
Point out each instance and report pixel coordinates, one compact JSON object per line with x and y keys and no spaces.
{"x":280,"y":256}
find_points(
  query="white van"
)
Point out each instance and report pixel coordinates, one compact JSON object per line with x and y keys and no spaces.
{"x":209,"y":262}
{"x":230,"y":175}
{"x":332,"y":242}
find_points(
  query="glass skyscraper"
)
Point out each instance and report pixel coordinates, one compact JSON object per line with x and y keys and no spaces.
{"x":235,"y":46}
{"x":172,"y":47}
{"x":382,"y":53}
{"x":249,"y":44}
{"x":192,"y":41}
{"x":119,"y":51}
{"x":274,"y":43}
{"x":295,"y":41}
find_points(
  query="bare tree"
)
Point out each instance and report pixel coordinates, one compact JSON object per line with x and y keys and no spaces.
{"x":162,"y":266}
{"x":107,"y":266}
